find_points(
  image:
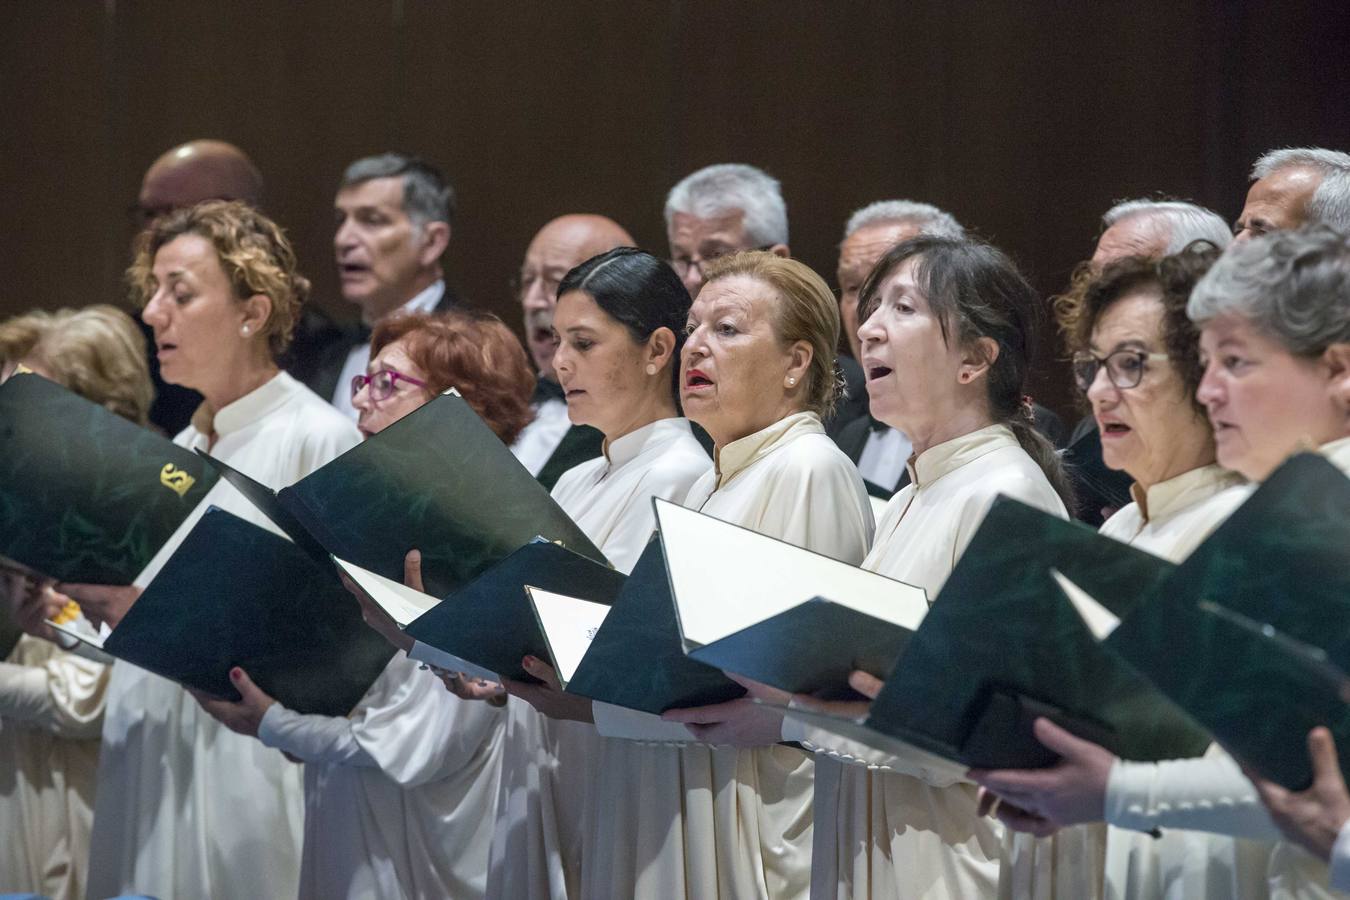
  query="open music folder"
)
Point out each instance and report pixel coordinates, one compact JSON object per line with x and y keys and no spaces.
{"x":1003,"y":644}
{"x":236,"y":594}
{"x":1251,"y":633}
{"x":488,"y":626}
{"x":85,"y":495}
{"x":438,"y":480}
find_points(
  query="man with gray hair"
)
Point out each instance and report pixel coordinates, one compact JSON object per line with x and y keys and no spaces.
{"x":719,"y":210}
{"x":1297,"y":186}
{"x":1156,"y":228}
{"x":393,"y":217}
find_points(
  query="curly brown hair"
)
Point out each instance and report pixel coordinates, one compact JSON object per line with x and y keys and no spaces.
{"x":1091,"y":293}
{"x":474,"y":353}
{"x":253,"y":251}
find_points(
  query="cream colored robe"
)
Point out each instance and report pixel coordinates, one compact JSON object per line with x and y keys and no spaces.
{"x":888,"y":827}
{"x":51,"y":713}
{"x":1230,"y":847}
{"x":547,"y":805}
{"x":697,"y":821}
{"x":185,"y":807}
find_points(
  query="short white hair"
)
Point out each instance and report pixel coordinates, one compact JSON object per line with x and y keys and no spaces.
{"x":1330,"y":203}
{"x":929,"y":219}
{"x":733,"y":187}
{"x":1185,"y":222}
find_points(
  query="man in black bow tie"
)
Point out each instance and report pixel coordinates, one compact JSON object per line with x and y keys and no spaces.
{"x":393,"y":218}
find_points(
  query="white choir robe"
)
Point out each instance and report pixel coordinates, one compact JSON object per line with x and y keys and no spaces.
{"x":185,"y":807}
{"x":888,"y":827}
{"x":698,"y":821}
{"x":547,"y":803}
{"x":400,"y":795}
{"x":51,"y":714}
{"x":1218,"y":840}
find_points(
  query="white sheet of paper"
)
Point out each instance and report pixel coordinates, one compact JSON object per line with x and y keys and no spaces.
{"x":1099,"y":620}
{"x":401,"y":602}
{"x":725,"y":578}
{"x":433,"y":656}
{"x":569,"y":624}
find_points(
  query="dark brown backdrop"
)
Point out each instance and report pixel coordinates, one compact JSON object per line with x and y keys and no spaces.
{"x":1024,"y":119}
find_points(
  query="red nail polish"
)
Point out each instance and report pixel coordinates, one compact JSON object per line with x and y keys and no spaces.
{"x":236,"y":673}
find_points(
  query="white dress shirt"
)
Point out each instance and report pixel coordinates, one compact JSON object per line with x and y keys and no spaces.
{"x":359,"y":356}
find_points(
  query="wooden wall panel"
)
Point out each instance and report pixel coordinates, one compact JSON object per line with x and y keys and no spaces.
{"x":1026,"y":120}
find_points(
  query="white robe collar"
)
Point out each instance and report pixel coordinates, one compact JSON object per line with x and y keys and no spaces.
{"x":1167,"y":498}
{"x":620,"y":452}
{"x":247,"y":409}
{"x":947,"y":457}
{"x":1338,"y":451}
{"x":740,"y":454}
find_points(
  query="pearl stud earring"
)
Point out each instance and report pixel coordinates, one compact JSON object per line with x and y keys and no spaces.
{"x":651,"y":368}
{"x":244,"y":331}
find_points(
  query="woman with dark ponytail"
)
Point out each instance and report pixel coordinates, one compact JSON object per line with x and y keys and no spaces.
{"x":946,"y":339}
{"x":620,"y":325}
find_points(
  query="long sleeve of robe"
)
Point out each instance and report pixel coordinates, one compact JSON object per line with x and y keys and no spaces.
{"x":400,"y":795}
{"x":185,"y":807}
{"x":551,"y":820}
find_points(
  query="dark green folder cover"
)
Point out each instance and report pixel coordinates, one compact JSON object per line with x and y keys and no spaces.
{"x":237,"y":594}
{"x":809,"y":649}
{"x":1002,"y":644}
{"x":490,"y":622}
{"x":1282,"y":559}
{"x":438,"y":480}
{"x":636,"y":659}
{"x":85,"y":495}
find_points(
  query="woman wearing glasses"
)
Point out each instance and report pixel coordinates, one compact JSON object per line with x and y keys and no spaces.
{"x":1136,"y":359}
{"x":399,"y":795}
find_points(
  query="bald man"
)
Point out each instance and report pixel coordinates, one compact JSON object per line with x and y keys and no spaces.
{"x":550,"y":445}
{"x":196,"y":171}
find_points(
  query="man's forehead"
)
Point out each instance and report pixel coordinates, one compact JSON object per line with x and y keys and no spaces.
{"x":869,"y":243}
{"x":382,"y":192}
{"x":726,"y":225}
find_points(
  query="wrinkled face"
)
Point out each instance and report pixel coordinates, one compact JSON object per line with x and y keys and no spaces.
{"x":1277,"y":202}
{"x":1147,"y":430}
{"x":376,"y":415}
{"x":1137,"y":235}
{"x":193,"y":312}
{"x":599,"y":365}
{"x":695,"y":242}
{"x":554,"y":252}
{"x":1263,"y":402}
{"x":733,"y":367}
{"x":378,"y":247}
{"x":858,"y":254}
{"x":912,"y":372}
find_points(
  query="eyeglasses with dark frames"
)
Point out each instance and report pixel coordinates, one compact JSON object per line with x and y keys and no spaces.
{"x":1125,"y":368}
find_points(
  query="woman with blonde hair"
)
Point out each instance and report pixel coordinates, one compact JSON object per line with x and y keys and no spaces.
{"x":724,"y":811}
{"x":185,"y":808}
{"x":51,"y":701}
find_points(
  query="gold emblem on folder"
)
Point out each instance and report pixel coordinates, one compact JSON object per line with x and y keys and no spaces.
{"x":176,"y":479}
